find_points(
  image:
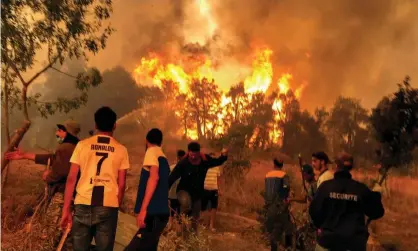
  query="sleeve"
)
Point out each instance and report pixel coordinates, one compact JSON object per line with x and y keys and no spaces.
{"x":286,"y":185}
{"x":42,"y":159}
{"x":75,"y":158}
{"x":373,"y":205}
{"x":151,"y":158}
{"x":316,"y":208}
{"x":175,"y":174}
{"x":125,"y":160}
{"x":60,"y":164}
{"x":214,"y":162}
{"x":218,"y":171}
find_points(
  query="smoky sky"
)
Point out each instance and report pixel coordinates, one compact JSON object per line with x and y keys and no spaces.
{"x":338,"y":47}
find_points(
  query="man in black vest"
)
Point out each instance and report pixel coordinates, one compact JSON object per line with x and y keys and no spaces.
{"x":339,"y":208}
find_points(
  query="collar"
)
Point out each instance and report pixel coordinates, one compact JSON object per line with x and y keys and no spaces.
{"x":342,"y":175}
{"x":326,"y":169}
{"x":70,"y":139}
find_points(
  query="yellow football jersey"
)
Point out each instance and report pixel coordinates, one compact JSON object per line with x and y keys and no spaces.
{"x":100,"y":158}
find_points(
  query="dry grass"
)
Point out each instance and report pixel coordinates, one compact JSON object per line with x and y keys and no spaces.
{"x":244,"y":198}
{"x":238,"y":197}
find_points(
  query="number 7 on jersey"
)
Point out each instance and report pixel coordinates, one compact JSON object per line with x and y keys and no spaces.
{"x":102,"y":159}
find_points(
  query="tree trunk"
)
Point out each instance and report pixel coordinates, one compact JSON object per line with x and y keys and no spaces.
{"x":15,"y":140}
{"x":6,"y":111}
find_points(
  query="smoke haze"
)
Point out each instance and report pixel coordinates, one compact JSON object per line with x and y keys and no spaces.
{"x":350,"y":47}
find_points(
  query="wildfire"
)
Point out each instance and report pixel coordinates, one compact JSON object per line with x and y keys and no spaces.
{"x":184,"y":70}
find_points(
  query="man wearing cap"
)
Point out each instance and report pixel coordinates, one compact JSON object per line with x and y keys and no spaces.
{"x":339,"y":209}
{"x":192,"y":171}
{"x":320,"y":163}
{"x":60,"y":161}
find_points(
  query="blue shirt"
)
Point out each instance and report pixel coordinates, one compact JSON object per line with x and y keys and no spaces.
{"x":159,"y":201}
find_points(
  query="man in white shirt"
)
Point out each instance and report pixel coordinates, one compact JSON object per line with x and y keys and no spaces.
{"x":320,"y":163}
{"x":101,"y":162}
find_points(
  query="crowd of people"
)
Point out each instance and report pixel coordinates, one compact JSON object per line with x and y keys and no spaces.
{"x":338,"y":204}
{"x":93,"y":173}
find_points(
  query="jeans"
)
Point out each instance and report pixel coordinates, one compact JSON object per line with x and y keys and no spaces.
{"x":146,"y":239}
{"x":94,"y":221}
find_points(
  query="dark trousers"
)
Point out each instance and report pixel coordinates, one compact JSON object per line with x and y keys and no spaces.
{"x":94,"y":221}
{"x":146,"y":239}
{"x":194,"y":213}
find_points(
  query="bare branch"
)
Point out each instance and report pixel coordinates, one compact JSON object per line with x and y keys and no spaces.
{"x":42,"y":71}
{"x":67,"y":74}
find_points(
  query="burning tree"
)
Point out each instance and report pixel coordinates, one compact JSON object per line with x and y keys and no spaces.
{"x":62,"y":30}
{"x":204,"y":104}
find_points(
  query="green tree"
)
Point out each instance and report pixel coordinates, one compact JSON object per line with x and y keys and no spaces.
{"x":61,"y":29}
{"x":347,"y":122}
{"x":302,"y":133}
{"x":395,"y":124}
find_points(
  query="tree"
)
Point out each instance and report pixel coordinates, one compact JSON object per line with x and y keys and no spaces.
{"x":347,"y":122}
{"x":236,"y":107}
{"x":395,"y":124}
{"x":204,"y":104}
{"x":61,"y":29}
{"x":301,"y":126}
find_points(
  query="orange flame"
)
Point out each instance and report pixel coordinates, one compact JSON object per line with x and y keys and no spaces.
{"x":184,"y":70}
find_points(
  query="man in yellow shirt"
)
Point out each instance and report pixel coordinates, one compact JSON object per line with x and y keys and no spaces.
{"x":211,"y":193}
{"x":102,"y":163}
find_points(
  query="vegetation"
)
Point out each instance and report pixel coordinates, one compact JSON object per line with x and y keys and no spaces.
{"x":61,"y":30}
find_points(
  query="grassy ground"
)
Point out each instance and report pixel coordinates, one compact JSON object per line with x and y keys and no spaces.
{"x":396,"y":231}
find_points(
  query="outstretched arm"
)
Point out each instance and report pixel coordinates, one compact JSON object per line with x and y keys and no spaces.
{"x":18,"y":155}
{"x":175,"y":174}
{"x":214,"y":162}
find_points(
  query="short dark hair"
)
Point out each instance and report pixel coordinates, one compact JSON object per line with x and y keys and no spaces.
{"x":344,"y":161}
{"x":193,"y":147}
{"x":321,"y":156}
{"x":155,"y":136}
{"x":105,"y":119}
{"x":278,"y":163}
{"x":180,"y":153}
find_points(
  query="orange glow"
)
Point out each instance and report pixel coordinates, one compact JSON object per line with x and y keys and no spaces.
{"x":183,"y":70}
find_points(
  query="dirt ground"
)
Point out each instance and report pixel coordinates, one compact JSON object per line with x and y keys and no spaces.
{"x":398,"y":230}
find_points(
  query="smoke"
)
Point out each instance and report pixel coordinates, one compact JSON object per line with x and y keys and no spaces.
{"x":346,"y":47}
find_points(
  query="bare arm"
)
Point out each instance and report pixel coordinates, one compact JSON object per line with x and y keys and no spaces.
{"x":121,"y":185}
{"x":70,"y":186}
{"x":151,"y":185}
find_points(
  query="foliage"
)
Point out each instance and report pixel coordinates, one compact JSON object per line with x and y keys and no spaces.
{"x":62,"y":30}
{"x":347,"y":125}
{"x":204,"y":107}
{"x":276,"y":220}
{"x":395,"y":124}
{"x":301,"y":126}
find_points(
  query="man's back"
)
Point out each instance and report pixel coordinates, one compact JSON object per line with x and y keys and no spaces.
{"x":159,"y":201}
{"x":276,"y":185}
{"x":339,"y":209}
{"x":100,"y":158}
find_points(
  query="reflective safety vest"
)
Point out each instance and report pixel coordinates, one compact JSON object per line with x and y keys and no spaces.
{"x":277,"y":185}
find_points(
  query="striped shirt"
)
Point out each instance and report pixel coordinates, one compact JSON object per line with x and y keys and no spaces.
{"x":211,"y":180}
